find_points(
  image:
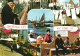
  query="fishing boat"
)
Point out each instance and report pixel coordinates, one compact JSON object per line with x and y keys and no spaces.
{"x":33,"y":22}
{"x":42,"y":22}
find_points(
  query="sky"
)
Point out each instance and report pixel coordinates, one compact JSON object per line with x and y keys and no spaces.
{"x":36,"y":14}
{"x":75,"y":1}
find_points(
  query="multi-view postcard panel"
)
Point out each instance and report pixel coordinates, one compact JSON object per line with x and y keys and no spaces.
{"x":40,"y":22}
{"x":39,"y":27}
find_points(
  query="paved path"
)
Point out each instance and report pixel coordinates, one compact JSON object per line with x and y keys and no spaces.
{"x":5,"y":51}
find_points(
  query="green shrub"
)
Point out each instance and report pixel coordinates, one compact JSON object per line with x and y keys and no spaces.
{"x":18,"y":8}
{"x":4,"y":2}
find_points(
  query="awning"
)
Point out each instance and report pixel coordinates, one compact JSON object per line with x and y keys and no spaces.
{"x":76,"y":31}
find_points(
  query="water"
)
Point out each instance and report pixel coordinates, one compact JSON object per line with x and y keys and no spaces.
{"x":30,"y":25}
{"x":33,"y":26}
{"x":51,"y":24}
{"x":40,"y":30}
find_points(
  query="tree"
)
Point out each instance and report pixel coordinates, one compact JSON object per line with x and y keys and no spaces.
{"x":24,"y":15}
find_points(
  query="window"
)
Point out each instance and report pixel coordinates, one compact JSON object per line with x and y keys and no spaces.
{"x":62,"y":33}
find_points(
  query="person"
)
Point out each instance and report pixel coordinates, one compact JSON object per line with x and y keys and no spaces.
{"x":67,"y":45}
{"x":59,"y":44}
{"x":67,"y":42}
{"x":7,"y":14}
{"x":32,"y":36}
{"x":77,"y":42}
{"x":63,"y":20}
{"x":11,"y":48}
{"x":47,"y":37}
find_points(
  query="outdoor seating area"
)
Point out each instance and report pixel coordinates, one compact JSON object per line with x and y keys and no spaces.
{"x":50,"y":49}
{"x":69,"y":50}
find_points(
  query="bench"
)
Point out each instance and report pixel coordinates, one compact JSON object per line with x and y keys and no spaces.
{"x":54,"y":49}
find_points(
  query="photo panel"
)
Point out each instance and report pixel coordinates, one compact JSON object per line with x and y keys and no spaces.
{"x":66,"y":12}
{"x":14,"y":12}
{"x":40,"y":22}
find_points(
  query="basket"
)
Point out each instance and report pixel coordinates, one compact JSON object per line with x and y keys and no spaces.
{"x":39,"y":41}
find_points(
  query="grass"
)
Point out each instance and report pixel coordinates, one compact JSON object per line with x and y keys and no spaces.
{"x":69,"y":21}
{"x":5,"y":51}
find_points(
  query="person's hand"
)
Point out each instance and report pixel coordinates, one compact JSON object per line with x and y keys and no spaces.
{"x":64,"y":46}
{"x":56,"y":46}
{"x":17,"y":14}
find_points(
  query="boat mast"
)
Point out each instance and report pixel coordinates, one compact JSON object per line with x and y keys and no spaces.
{"x":39,"y":19}
{"x":44,"y":18}
{"x":36,"y":20}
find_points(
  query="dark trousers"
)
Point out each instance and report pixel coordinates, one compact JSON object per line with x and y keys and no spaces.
{"x":11,"y":49}
{"x":76,"y":50}
{"x":10,"y":20}
{"x":63,"y":51}
{"x":17,"y":21}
